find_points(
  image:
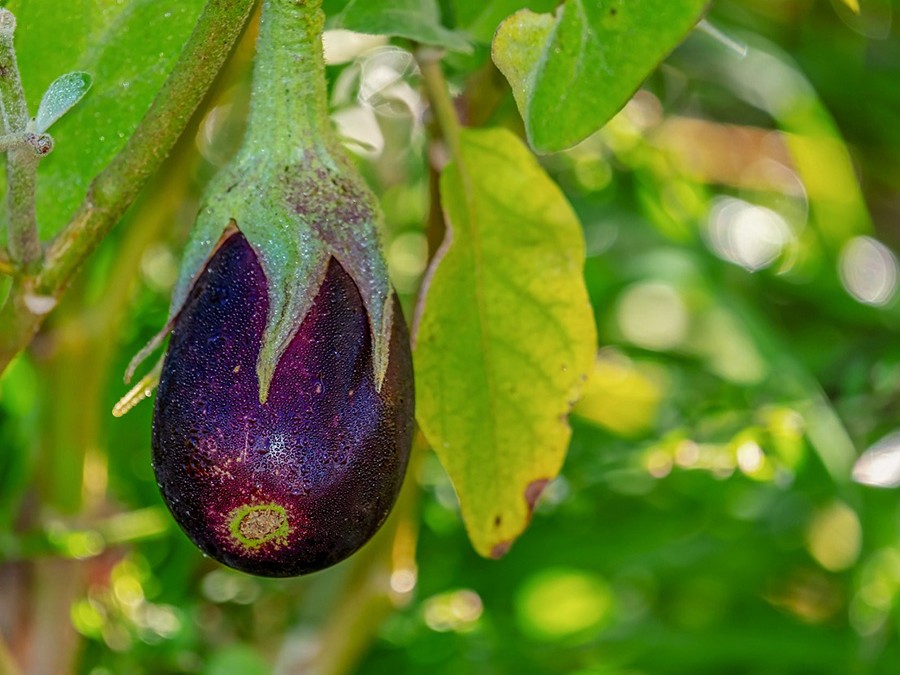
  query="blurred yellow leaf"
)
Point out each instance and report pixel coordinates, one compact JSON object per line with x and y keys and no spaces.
{"x":619,"y":397}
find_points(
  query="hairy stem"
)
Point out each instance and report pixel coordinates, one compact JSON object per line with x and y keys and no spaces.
{"x":21,"y":179}
{"x":289,"y":104}
{"x":21,"y":163}
{"x":116,"y":187}
{"x":39,"y":144}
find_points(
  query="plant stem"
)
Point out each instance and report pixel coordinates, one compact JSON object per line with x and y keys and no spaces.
{"x":116,"y":187}
{"x":21,"y":179}
{"x":445,"y":125}
{"x":21,"y":163}
{"x":289,"y":104}
{"x":39,"y":144}
{"x":439,"y":97}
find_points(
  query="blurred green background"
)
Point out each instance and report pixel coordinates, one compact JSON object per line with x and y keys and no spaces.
{"x":741,"y":215}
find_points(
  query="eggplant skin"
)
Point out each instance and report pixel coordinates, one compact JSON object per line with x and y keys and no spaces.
{"x":299,"y":483}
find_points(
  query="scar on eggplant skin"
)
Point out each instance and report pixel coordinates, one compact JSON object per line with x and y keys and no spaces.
{"x":533,"y":492}
{"x":261,"y":523}
{"x":254,"y":525}
{"x":500,"y":549}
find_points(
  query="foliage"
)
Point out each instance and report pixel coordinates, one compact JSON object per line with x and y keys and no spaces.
{"x":510,"y":267}
{"x":737,"y":221}
{"x":128,"y":49}
{"x":573,"y":70}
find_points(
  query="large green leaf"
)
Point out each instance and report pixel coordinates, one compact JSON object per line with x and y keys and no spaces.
{"x":573,"y":70}
{"x":505,"y":334}
{"x":418,"y":20}
{"x":128,"y":48}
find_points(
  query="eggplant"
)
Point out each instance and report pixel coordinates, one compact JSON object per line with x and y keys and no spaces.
{"x":284,"y":417}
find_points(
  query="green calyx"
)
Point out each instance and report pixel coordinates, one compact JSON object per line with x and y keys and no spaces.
{"x":293,"y":193}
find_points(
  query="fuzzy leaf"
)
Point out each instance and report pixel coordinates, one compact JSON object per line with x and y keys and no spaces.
{"x":417,"y":20}
{"x":60,"y":97}
{"x":571,"y":71}
{"x":505,"y":334}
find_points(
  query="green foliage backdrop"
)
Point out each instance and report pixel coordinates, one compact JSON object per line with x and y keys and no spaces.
{"x":739,"y":218}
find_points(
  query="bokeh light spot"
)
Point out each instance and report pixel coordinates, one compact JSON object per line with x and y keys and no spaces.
{"x":879,"y":466}
{"x":653,"y":315}
{"x":456,"y":611}
{"x":834,"y":537}
{"x":748,"y":235}
{"x":561,"y":603}
{"x":869,"y":271}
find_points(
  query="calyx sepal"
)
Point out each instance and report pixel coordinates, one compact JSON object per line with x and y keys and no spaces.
{"x":294,"y":195}
{"x":296,"y":217}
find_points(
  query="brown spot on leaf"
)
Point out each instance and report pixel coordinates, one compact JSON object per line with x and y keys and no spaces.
{"x":533,"y":492}
{"x":500,"y":549}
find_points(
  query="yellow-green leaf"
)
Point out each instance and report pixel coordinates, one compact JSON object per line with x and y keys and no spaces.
{"x":571,"y":71}
{"x":505,"y":334}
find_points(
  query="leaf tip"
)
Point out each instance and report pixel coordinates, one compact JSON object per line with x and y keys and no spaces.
{"x":500,"y":549}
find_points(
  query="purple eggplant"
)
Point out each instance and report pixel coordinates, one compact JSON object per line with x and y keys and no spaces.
{"x":284,"y":416}
{"x":300,"y":482}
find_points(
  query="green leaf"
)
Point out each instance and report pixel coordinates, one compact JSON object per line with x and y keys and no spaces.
{"x":129,"y":48}
{"x":59,"y":98}
{"x":572,"y":71}
{"x":418,"y":20}
{"x":480,"y":19}
{"x":505,"y":334}
{"x":236,"y":658}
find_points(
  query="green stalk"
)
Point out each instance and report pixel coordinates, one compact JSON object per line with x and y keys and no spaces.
{"x":439,"y":97}
{"x":21,"y":162}
{"x":39,"y":144}
{"x":289,"y":105}
{"x":444,"y":127}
